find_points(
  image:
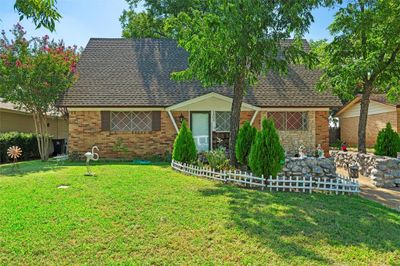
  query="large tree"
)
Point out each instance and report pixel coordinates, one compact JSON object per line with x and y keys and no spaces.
{"x":33,"y":74}
{"x":363,"y":57}
{"x":234,"y":42}
{"x":42,"y":12}
{"x":150,"y":22}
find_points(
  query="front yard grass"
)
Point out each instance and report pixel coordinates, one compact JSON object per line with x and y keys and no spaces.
{"x":152,"y":215}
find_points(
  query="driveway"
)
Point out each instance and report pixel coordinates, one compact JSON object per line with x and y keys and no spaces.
{"x":389,"y":197}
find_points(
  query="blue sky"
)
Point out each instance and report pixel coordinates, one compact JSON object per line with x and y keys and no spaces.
{"x":83,"y":19}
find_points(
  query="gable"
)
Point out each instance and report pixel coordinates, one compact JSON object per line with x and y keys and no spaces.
{"x":211,"y":101}
{"x":374,"y":108}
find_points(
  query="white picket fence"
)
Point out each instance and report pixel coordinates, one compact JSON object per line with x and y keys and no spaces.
{"x":338,"y":185}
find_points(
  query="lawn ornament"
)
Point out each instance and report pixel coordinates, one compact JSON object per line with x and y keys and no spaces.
{"x":14,"y":152}
{"x":302,"y":151}
{"x":91,"y":156}
{"x":320,"y":151}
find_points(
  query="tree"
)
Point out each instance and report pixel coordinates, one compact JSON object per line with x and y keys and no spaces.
{"x":184,"y":146}
{"x":150,"y":22}
{"x":42,"y":12}
{"x":387,"y":142}
{"x":363,"y":57}
{"x":267,"y":153}
{"x":33,"y":75}
{"x":245,"y":140}
{"x":234,"y":42}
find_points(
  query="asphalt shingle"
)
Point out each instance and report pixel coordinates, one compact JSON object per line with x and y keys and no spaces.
{"x":136,"y":73}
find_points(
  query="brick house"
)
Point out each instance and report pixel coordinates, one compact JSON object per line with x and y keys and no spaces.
{"x":380,"y":112}
{"x":124,"y":91}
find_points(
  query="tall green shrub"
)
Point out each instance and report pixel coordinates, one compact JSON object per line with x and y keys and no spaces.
{"x":26,"y":141}
{"x":267,"y":152}
{"x":244,"y":141}
{"x":184,"y":146}
{"x":387,"y":142}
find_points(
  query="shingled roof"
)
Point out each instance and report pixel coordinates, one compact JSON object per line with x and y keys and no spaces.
{"x":136,"y":73}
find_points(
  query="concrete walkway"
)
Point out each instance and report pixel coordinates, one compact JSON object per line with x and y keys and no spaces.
{"x":389,"y":197}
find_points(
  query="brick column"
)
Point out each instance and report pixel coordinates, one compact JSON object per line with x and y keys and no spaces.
{"x":322,"y":130}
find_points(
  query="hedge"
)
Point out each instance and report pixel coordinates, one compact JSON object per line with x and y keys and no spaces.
{"x":26,"y":141}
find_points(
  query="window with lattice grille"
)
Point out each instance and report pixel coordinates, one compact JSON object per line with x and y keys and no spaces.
{"x":131,"y":121}
{"x":289,"y":120}
{"x":222,"y":121}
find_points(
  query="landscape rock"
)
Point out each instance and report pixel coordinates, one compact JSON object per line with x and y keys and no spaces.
{"x":381,"y":169}
{"x":310,"y":166}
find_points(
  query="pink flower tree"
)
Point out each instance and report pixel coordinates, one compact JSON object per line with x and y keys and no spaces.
{"x":33,"y":75}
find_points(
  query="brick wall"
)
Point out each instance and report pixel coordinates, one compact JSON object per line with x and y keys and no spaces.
{"x":349,"y":127}
{"x":322,"y":130}
{"x":85,"y":131}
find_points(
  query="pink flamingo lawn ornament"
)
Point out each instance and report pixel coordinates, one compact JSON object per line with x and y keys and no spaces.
{"x":91,"y":156}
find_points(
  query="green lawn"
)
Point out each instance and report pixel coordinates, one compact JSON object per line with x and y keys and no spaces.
{"x":152,"y":215}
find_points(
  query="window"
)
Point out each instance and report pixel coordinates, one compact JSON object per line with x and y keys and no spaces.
{"x":131,"y":121}
{"x":289,"y":120}
{"x":222,"y":121}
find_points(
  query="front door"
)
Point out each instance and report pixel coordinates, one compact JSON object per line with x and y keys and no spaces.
{"x":200,"y":125}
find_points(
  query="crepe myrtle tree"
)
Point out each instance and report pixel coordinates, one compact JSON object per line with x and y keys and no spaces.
{"x":33,"y":75}
{"x":234,"y":42}
{"x":363,"y":57}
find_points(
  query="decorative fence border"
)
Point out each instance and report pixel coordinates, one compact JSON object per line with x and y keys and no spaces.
{"x":338,"y":185}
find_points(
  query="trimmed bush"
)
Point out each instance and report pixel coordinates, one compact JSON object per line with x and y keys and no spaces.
{"x":267,"y":153}
{"x":244,"y":141}
{"x":26,"y":141}
{"x":184,"y":146}
{"x":387,"y":142}
{"x":217,"y":158}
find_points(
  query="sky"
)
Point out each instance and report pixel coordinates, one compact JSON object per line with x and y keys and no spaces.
{"x":83,"y":19}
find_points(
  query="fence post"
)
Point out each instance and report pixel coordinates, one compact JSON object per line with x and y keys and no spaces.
{"x":262,"y":182}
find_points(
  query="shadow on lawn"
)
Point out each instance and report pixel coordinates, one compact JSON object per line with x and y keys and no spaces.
{"x":24,"y":168}
{"x":288,"y":222}
{"x":28,"y":167}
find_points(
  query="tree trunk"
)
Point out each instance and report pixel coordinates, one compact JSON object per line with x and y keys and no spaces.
{"x":40,"y":122}
{"x":362,"y":124}
{"x":238,"y":92}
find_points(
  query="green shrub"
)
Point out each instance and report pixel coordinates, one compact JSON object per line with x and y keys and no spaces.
{"x":184,"y":146}
{"x":337,"y":144}
{"x":244,"y":141}
{"x":387,"y":142}
{"x":267,"y":153}
{"x":217,"y":158}
{"x":26,"y":141}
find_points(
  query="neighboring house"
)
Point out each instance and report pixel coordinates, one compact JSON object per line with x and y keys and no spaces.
{"x":13,"y":119}
{"x":380,"y":112}
{"x":124,"y":91}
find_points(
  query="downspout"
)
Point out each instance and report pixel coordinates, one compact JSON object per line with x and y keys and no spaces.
{"x":254,"y":117}
{"x":173,"y":121}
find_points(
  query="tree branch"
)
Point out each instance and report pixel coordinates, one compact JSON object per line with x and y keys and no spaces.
{"x":385,"y":64}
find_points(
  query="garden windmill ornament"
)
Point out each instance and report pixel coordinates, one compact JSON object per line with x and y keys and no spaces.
{"x":14,"y":152}
{"x":91,"y":156}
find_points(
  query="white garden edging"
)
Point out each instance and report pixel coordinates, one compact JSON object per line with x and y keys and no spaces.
{"x":308,"y":184}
